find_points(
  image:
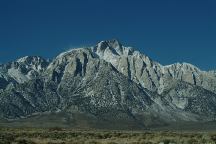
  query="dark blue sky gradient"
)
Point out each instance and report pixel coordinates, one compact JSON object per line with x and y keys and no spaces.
{"x":166,"y":30}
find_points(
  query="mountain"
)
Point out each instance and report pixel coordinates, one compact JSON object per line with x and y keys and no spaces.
{"x":107,"y":85}
{"x":21,"y":70}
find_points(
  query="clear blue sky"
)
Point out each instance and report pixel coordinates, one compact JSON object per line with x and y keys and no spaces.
{"x":166,"y":30}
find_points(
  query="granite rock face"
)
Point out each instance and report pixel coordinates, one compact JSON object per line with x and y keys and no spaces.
{"x":21,"y":70}
{"x":108,"y":81}
{"x":150,"y":74}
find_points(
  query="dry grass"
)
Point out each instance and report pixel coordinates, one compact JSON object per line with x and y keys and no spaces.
{"x":63,"y":136}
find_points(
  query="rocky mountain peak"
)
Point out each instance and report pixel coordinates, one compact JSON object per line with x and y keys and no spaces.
{"x":23,"y":69}
{"x":113,"y":43}
{"x":113,"y":46}
{"x":29,"y":58}
{"x":183,"y":66}
{"x":35,"y":62}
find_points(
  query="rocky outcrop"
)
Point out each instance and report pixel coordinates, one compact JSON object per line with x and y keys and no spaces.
{"x":22,"y":70}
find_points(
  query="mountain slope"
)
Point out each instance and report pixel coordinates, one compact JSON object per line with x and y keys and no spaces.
{"x":76,"y":92}
{"x":107,"y":83}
